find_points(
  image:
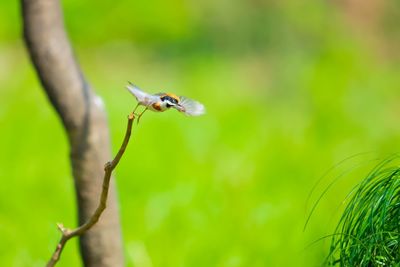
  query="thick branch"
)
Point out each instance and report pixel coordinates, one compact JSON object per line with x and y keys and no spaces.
{"x":108,"y":168}
{"x":84,"y":120}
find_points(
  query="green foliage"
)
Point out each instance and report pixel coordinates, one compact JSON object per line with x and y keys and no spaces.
{"x":368,"y":233}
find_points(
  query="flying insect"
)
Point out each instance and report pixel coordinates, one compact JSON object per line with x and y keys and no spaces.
{"x":161,"y":102}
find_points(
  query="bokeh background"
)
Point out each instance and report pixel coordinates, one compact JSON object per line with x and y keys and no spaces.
{"x":293,"y":89}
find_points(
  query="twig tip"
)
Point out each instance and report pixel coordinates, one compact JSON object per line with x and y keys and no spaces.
{"x":61,"y":227}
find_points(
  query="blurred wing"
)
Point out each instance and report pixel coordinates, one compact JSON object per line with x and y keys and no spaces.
{"x":142,"y":97}
{"x":191,"y":107}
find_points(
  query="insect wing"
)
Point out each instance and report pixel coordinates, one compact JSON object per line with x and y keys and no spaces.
{"x":142,"y":97}
{"x":191,"y":107}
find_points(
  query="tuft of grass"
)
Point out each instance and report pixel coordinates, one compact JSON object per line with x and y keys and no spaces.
{"x":368,"y":233}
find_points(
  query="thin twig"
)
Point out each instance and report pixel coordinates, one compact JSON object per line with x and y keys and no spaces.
{"x":108,"y":169}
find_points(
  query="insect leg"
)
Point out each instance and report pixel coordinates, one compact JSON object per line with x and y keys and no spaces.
{"x":136,"y":109}
{"x":141,"y":114}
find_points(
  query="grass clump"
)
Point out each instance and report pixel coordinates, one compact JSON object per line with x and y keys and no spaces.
{"x":368,"y":233}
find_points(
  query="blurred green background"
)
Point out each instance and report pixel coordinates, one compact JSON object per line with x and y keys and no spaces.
{"x":291,"y":89}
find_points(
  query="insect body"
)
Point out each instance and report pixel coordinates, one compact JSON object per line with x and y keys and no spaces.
{"x":163,"y":101}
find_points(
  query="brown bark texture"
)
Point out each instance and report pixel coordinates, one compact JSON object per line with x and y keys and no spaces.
{"x":84,"y":120}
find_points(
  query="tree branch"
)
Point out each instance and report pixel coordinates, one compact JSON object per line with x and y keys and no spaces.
{"x":108,"y":169}
{"x":84,"y":119}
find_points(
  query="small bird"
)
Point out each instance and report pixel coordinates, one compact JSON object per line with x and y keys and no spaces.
{"x":163,"y":101}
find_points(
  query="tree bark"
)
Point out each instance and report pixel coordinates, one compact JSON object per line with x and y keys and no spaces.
{"x":84,"y":120}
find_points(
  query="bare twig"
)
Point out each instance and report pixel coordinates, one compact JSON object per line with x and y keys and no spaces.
{"x":108,"y":169}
